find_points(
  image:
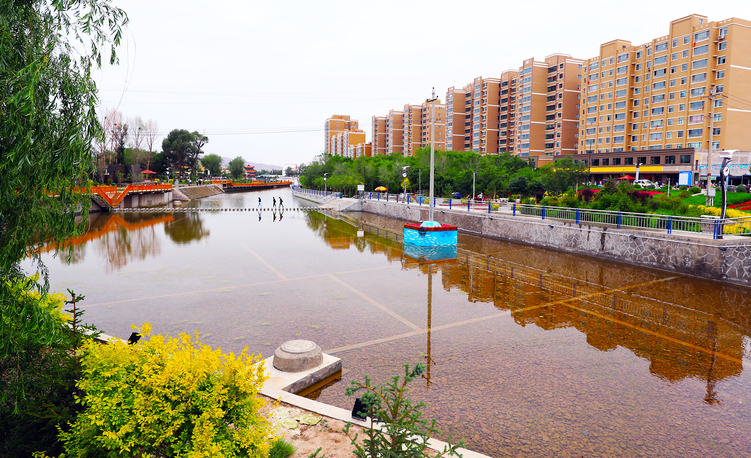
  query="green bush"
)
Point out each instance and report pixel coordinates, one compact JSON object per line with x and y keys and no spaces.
{"x":740,"y":188}
{"x":38,"y":375}
{"x":637,"y":186}
{"x":172,"y":397}
{"x":570,"y":200}
{"x":694,"y":190}
{"x":551,"y":201}
{"x":684,"y":194}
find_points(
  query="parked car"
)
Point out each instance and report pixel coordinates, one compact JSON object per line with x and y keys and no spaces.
{"x":643,"y":183}
{"x":457,"y":195}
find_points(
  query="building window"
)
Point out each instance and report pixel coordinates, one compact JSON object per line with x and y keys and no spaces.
{"x":693,"y":133}
{"x":720,"y":60}
{"x":628,"y":160}
{"x":722,"y":46}
{"x":654,"y":160}
{"x":720,"y":74}
{"x":697,"y":64}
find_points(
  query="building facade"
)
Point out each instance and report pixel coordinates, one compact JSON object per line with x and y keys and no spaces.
{"x":683,"y":90}
{"x":378,"y":136}
{"x":337,"y":124}
{"x":394,"y":132}
{"x":547,"y":101}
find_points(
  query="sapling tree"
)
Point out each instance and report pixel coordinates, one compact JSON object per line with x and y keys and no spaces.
{"x":397,"y":429}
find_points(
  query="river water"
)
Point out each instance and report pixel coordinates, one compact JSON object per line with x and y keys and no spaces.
{"x":530,"y":352}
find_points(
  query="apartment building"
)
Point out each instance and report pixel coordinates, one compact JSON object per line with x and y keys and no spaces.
{"x":394,"y":132}
{"x":341,"y":144}
{"x":359,"y":150}
{"x":337,"y":124}
{"x":433,"y":115}
{"x":378,"y":127}
{"x":547,"y":101}
{"x":412,"y":128}
{"x":455,"y":120}
{"x":681,"y":90}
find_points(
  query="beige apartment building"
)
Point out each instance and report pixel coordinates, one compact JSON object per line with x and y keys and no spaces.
{"x":433,"y":114}
{"x":683,"y":90}
{"x":546,"y":118}
{"x":359,"y":150}
{"x":378,"y":127}
{"x":455,"y":116}
{"x":337,"y":124}
{"x":472,"y":115}
{"x":341,"y":144}
{"x":394,"y":132}
{"x":412,"y":128}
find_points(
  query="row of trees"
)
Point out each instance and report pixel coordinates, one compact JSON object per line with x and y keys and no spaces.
{"x":454,"y":172}
{"x":119,"y":134}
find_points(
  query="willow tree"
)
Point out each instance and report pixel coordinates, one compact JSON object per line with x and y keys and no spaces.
{"x":48,"y":125}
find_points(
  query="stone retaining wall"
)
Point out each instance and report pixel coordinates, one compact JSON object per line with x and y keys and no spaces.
{"x":197,"y":192}
{"x":727,"y":260}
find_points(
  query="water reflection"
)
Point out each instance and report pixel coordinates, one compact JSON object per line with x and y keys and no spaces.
{"x":680,"y":333}
{"x":185,"y":228}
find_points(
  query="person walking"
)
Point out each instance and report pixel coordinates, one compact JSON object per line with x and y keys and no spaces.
{"x":281,"y":202}
{"x":274,"y":199}
{"x":259,"y":202}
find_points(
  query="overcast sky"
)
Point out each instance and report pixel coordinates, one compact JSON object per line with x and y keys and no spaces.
{"x":259,"y":78}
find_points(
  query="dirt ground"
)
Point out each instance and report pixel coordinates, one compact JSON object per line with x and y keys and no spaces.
{"x":325,"y":433}
{"x":309,"y":431}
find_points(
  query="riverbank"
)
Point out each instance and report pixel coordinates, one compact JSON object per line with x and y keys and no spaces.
{"x":697,"y":254}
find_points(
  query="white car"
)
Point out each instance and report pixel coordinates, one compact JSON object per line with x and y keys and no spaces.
{"x":643,"y":183}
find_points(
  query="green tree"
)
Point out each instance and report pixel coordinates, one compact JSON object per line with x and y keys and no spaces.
{"x":213,"y":162}
{"x":48,"y":124}
{"x":237,"y":167}
{"x":178,"y":148}
{"x":199,"y":140}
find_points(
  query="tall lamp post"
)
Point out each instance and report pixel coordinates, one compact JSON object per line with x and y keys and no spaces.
{"x":325,"y":177}
{"x":727,"y":158}
{"x":419,"y":180}
{"x":638,"y":164}
{"x":474,"y":174}
{"x":168,"y":176}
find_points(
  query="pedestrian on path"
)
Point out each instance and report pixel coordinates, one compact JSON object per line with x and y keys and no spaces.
{"x":281,"y":202}
{"x":274,"y":199}
{"x":259,"y":202}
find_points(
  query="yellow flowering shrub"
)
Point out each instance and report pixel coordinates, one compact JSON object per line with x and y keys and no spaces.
{"x":168,"y":397}
{"x":729,"y":228}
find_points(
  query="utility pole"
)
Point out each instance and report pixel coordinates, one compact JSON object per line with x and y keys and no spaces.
{"x":712,"y":93}
{"x":431,"y":197}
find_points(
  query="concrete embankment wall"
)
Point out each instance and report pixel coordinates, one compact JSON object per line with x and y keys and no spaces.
{"x":197,"y":192}
{"x":727,"y":260}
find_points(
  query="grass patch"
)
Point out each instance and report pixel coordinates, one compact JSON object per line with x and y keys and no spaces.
{"x":733,"y":198}
{"x":281,"y":449}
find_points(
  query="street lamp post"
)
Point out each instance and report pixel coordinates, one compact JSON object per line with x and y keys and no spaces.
{"x":419,"y":180}
{"x":404,"y":180}
{"x":474,"y":174}
{"x":325,"y":177}
{"x":168,"y":175}
{"x":638,"y":164}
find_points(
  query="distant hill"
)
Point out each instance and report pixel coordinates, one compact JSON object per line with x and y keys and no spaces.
{"x":258,"y":165}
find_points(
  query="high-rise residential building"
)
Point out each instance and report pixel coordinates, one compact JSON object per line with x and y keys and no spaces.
{"x":507,"y":112}
{"x":455,"y":119}
{"x":681,"y":90}
{"x":472,"y":116}
{"x":337,"y":124}
{"x":379,"y":135}
{"x":436,"y":120}
{"x":412,"y":128}
{"x":342,"y":142}
{"x":394,"y":132}
{"x":359,"y":150}
{"x":547,"y":94}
